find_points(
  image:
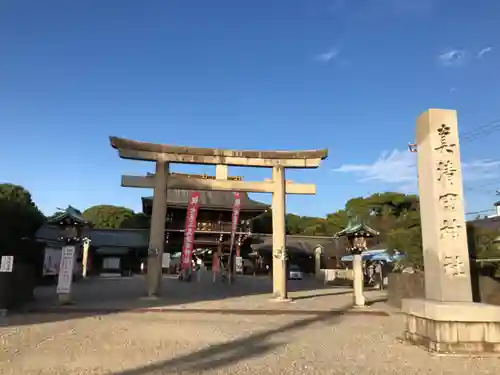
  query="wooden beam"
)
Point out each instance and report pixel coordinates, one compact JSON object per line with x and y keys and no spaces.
{"x":190,"y":183}
{"x":221,"y":172}
{"x":271,"y":180}
{"x":201,"y":176}
{"x":216,"y":159}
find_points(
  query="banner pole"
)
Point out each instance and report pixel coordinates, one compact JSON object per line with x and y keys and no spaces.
{"x":234,"y":226}
{"x":189,"y":231}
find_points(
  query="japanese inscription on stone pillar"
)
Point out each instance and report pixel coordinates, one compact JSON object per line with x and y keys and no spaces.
{"x":444,"y":236}
{"x":451,"y":222}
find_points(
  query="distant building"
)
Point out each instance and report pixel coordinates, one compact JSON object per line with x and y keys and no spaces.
{"x":126,"y":249}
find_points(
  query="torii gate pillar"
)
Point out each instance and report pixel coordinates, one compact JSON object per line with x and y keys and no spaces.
{"x":280,"y":278}
{"x":157,"y":231}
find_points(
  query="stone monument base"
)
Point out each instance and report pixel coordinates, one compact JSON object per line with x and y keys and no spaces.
{"x":64,"y":299}
{"x":452,"y":327}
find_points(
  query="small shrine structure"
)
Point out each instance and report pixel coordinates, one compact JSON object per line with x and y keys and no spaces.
{"x":357,"y":232}
{"x":71,"y":224}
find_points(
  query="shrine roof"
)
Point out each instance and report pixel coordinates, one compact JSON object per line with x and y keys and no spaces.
{"x":215,"y":200}
{"x":300,"y":244}
{"x":128,"y":144}
{"x":357,"y":227}
{"x":69,"y":213}
{"x":124,"y":238}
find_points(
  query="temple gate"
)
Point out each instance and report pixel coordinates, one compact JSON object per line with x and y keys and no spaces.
{"x":162,"y":180}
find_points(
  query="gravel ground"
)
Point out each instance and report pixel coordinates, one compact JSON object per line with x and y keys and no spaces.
{"x":198,"y":343}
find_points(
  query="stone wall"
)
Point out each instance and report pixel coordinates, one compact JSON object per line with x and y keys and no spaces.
{"x":16,"y":288}
{"x":489,"y":290}
{"x":448,"y":337}
{"x":404,"y":285}
{"x":336,"y":276}
{"x":408,"y":285}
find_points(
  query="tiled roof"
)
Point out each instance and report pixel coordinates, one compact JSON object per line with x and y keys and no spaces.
{"x":211,"y":199}
{"x":300,"y":244}
{"x":69,"y":213}
{"x":357,"y":226}
{"x":133,"y":238}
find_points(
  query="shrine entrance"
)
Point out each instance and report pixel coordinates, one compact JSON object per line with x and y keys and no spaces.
{"x":162,"y":180}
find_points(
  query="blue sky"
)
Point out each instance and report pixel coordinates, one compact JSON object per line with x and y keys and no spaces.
{"x":350,"y":76}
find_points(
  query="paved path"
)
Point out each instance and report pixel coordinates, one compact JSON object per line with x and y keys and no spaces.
{"x":112,"y":294}
{"x":298,"y":341}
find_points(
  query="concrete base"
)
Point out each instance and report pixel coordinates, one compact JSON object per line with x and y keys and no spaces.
{"x":65,"y":299}
{"x":452,"y":327}
{"x":279,"y":299}
{"x":3,"y":317}
{"x":360,"y":307}
{"x":149,"y":298}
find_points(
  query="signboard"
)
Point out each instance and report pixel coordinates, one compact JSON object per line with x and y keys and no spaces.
{"x":235,"y":219}
{"x":190,"y":229}
{"x":239,"y":264}
{"x":165,"y":260}
{"x":111,"y":263}
{"x":66,"y":270}
{"x":7,"y":263}
{"x":51,"y":261}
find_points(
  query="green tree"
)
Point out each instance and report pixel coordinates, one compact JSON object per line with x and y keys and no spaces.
{"x":409,"y":241}
{"x":336,"y":221}
{"x":108,"y":216}
{"x":19,"y":215}
{"x":137,"y":221}
{"x":55,"y":214}
{"x":293,"y":223}
{"x":483,"y":242}
{"x":263,"y":223}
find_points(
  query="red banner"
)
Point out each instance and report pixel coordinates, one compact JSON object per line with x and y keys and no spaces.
{"x":235,"y":218}
{"x":215,"y":262}
{"x":190,"y":229}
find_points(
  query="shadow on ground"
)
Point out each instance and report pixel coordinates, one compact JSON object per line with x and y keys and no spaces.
{"x":221,"y":355}
{"x":100,"y":296}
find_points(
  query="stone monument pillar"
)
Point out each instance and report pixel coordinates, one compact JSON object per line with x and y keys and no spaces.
{"x":446,"y":320}
{"x":157,"y":232}
{"x":444,"y":236}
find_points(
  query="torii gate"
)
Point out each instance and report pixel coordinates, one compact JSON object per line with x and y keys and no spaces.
{"x":162,"y":180}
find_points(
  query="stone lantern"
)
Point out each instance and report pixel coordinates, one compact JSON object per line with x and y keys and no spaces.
{"x":357,"y":233}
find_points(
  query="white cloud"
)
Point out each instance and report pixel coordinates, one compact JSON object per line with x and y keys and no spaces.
{"x":481,"y":53}
{"x":481,"y":169}
{"x":400,"y":168}
{"x":328,"y":56}
{"x":391,"y":167}
{"x":452,"y":57}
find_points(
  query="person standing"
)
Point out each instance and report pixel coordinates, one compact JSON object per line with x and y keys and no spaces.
{"x":379,"y":276}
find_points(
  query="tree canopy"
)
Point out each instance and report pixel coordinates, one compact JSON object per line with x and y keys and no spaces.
{"x":19,"y":215}
{"x":395,"y":215}
{"x":379,"y":210}
{"x":108,"y":216}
